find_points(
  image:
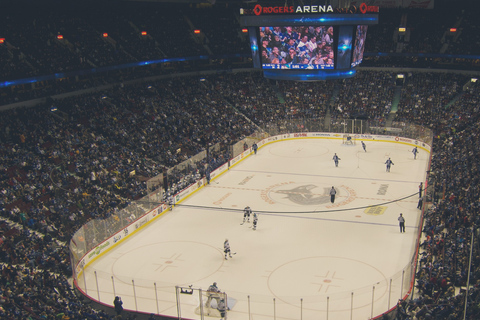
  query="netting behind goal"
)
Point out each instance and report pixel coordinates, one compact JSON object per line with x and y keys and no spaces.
{"x":349,"y":139}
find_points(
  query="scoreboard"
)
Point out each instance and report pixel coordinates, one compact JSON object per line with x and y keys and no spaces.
{"x":308,"y":43}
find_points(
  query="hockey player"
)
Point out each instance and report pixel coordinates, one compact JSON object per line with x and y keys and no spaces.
{"x":333,"y":192}
{"x":389,"y":163}
{"x":170,"y":202}
{"x":226,"y":249}
{"x":415,"y":151}
{"x":255,"y":220}
{"x":221,"y":307}
{"x":364,"y":147}
{"x":336,"y":159}
{"x":246,"y":214}
{"x":213,"y":288}
{"x":254,"y":147}
{"x":212,"y":293}
{"x":207,"y":175}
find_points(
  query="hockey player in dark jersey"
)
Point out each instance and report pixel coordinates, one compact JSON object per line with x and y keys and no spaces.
{"x":336,"y":159}
{"x":415,"y":151}
{"x":389,"y":163}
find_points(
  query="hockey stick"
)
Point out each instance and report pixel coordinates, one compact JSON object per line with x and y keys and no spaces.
{"x":231,"y":254}
{"x":244,"y":222}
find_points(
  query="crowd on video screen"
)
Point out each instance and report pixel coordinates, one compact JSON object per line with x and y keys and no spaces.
{"x":299,"y":47}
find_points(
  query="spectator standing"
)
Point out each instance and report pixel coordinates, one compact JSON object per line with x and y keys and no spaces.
{"x":118,"y":304}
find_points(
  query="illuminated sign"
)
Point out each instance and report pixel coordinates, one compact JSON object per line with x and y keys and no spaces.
{"x":258,"y":9}
{"x":364,"y":8}
{"x":314,"y":9}
{"x":105,"y":35}
{"x":59,"y":37}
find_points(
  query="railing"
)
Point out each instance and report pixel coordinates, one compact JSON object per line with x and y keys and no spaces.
{"x":152,"y":297}
{"x":96,"y":235}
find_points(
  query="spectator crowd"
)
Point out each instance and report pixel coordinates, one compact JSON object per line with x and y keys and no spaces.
{"x":62,"y":167}
{"x":311,"y":45}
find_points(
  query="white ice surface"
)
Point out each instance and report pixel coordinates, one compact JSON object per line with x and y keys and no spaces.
{"x":308,"y":258}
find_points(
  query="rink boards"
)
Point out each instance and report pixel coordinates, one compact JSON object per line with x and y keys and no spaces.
{"x":307,"y":252}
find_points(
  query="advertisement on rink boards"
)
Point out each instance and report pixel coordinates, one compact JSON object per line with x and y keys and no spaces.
{"x":120,"y":235}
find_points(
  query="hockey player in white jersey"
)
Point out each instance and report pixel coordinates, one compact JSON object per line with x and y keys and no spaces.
{"x":171,"y":202}
{"x":226,"y":249}
{"x":255,"y":220}
{"x":221,"y":307}
{"x":246,"y":214}
{"x":212,"y":293}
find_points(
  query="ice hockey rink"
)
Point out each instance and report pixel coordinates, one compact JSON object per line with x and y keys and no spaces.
{"x":307,"y":259}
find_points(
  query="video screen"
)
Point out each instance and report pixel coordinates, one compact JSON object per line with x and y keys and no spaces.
{"x":298,"y":47}
{"x":359,"y":45}
{"x":344,"y":47}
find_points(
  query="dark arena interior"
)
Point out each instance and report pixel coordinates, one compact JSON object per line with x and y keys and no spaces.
{"x":111,"y":107}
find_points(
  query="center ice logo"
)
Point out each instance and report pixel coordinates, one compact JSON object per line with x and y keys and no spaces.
{"x":307,"y":195}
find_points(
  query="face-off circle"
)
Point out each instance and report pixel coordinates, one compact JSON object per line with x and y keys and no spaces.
{"x":322,"y":277}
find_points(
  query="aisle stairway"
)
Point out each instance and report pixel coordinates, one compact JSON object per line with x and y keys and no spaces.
{"x":393,"y":111}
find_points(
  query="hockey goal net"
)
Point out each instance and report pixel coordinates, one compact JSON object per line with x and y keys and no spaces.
{"x":215,"y":304}
{"x":349,"y":139}
{"x":195,"y":301}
